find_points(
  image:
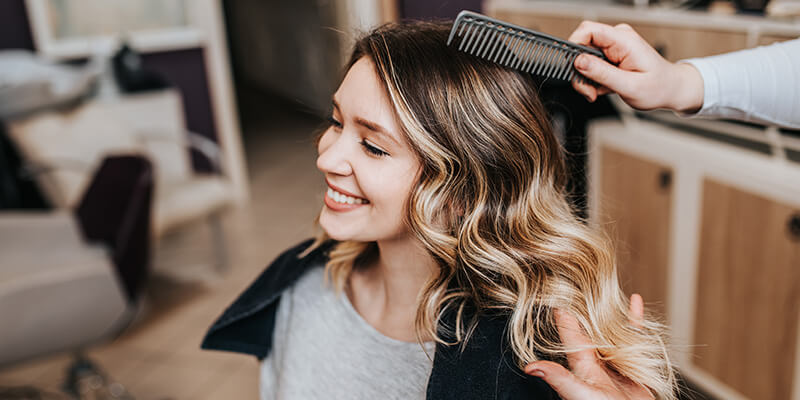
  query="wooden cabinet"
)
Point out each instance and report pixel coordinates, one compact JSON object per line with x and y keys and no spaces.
{"x":748,"y":291}
{"x":635,"y":210}
{"x":677,"y":34}
{"x":556,"y":25}
{"x":678,"y":43}
{"x":770,"y":38}
{"x":711,"y":230}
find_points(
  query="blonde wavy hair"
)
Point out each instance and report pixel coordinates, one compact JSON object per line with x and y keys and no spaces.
{"x":490,"y":207}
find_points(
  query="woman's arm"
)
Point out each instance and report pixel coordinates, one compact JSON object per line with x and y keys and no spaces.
{"x":759,"y":85}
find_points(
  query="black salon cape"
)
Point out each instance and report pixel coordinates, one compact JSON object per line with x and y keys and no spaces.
{"x":484,"y":370}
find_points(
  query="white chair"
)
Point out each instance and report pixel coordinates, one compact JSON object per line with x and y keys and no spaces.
{"x":64,"y":147}
{"x":51,"y":281}
{"x":67,"y":279}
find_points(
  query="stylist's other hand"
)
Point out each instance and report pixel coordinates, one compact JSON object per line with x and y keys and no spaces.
{"x":641,"y":77}
{"x":588,"y":378}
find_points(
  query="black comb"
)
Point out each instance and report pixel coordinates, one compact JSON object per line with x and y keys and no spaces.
{"x":516,"y":47}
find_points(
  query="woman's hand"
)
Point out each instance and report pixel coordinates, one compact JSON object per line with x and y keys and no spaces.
{"x":589,"y":379}
{"x":641,"y":77}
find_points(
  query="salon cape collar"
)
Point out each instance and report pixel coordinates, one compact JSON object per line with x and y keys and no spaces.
{"x":484,"y":370}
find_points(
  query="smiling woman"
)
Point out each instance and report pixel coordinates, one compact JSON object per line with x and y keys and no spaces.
{"x":364,"y":157}
{"x":452,"y":256}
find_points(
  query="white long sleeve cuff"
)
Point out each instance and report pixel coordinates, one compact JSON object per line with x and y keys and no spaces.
{"x":758,"y":85}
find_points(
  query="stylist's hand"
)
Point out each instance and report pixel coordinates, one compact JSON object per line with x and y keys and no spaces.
{"x":642,"y":78}
{"x":588,"y":379}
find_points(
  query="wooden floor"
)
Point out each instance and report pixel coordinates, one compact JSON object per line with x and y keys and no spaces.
{"x":159,"y":356}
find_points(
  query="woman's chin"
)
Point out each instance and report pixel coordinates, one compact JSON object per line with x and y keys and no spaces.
{"x":334,"y":230}
{"x":339,"y":237}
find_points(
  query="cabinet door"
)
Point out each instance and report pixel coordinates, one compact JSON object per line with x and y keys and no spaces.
{"x":677,"y":43}
{"x":766,"y":39}
{"x":555,"y":25}
{"x":634,"y":206}
{"x":748,"y":291}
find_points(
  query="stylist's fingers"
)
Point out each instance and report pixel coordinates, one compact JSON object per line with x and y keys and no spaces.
{"x":562,"y":381}
{"x":585,"y":89}
{"x":581,"y":356}
{"x":603,"y":73}
{"x":636,"y":310}
{"x":588,"y":90}
{"x":596,"y":34}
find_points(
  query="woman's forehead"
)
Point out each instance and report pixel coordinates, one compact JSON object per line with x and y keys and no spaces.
{"x":363,"y":95}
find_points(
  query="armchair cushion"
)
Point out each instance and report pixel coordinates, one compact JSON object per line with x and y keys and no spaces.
{"x":182,"y":202}
{"x":56,"y":292}
{"x":74,"y":142}
{"x":149,"y":124}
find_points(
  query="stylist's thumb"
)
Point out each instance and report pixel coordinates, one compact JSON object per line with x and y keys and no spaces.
{"x":567,"y":385}
{"x":601,"y":72}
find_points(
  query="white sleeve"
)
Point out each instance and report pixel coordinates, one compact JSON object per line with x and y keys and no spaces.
{"x":267,"y":378}
{"x":758,"y":85}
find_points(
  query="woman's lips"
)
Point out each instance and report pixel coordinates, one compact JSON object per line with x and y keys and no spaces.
{"x":339,"y":200}
{"x":344,"y":192}
{"x":334,"y":205}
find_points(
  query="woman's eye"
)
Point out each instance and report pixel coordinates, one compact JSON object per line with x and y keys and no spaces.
{"x":334,"y":122}
{"x":372,"y":149}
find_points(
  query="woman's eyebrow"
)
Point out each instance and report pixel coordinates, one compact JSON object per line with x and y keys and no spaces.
{"x":372,"y":126}
{"x":377,"y":128}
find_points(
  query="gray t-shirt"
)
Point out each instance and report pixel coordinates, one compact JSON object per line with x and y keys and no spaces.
{"x":323,"y":349}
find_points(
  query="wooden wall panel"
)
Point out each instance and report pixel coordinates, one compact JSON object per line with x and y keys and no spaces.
{"x":748,"y":292}
{"x":635,"y":203}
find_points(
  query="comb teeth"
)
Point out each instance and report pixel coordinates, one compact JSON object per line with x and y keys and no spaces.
{"x":518,"y":48}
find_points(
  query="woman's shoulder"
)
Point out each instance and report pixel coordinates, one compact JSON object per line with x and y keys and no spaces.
{"x":285,"y":269}
{"x":246,"y":325}
{"x":308,"y":250}
{"x":296,"y":259}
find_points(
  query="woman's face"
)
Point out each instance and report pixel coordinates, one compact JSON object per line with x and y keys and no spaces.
{"x":368,"y":166}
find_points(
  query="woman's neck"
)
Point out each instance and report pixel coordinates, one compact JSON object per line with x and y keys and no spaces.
{"x":386,"y":293}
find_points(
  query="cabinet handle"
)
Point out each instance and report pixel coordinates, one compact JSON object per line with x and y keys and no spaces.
{"x":793,"y":226}
{"x":665,"y":179}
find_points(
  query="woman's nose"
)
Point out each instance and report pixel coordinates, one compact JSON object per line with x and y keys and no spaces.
{"x":333,"y":155}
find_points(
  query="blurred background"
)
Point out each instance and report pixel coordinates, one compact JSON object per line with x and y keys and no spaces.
{"x":155,"y":155}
